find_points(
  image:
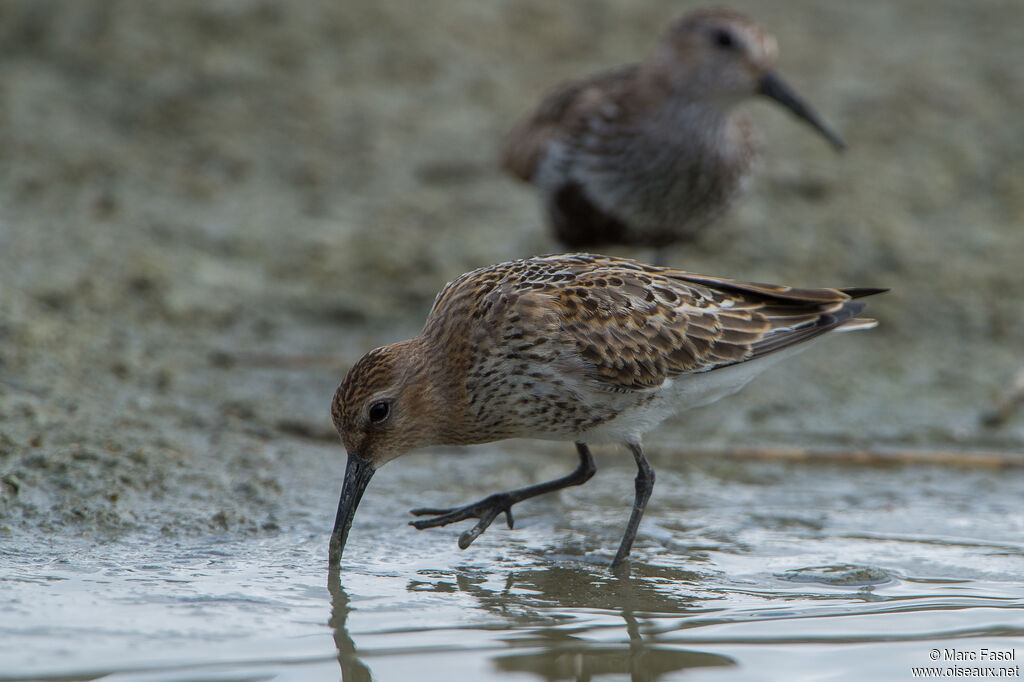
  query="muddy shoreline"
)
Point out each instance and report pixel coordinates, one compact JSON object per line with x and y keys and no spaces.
{"x":209,"y":210}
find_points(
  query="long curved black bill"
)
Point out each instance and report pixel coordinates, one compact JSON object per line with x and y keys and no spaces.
{"x":357,"y":475}
{"x":774,"y":87}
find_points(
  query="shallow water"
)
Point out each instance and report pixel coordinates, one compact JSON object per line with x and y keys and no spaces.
{"x":821,"y":571}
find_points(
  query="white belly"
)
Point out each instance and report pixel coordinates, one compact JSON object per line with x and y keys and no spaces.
{"x":679,"y":394}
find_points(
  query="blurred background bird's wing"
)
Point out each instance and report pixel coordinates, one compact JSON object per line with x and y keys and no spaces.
{"x":561,"y":112}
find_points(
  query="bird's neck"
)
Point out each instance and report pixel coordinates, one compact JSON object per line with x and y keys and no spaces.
{"x":718,"y":128}
{"x":437,"y":367}
{"x":687,"y":108}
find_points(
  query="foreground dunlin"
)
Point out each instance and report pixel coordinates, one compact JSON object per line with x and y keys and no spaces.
{"x":575,"y":347}
{"x":648,"y":154}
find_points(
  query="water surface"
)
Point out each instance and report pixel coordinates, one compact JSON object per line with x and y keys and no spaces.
{"x":742,"y":570}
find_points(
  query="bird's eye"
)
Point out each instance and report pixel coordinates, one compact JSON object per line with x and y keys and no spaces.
{"x":723,"y":38}
{"x":379,"y":411}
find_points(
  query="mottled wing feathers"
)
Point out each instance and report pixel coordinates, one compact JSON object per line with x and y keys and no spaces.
{"x":558,"y":114}
{"x":632,"y":326}
{"x":788,"y":315}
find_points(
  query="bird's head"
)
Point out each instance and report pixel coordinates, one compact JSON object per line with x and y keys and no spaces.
{"x":722,"y":57}
{"x":385,"y":406}
{"x":716,"y":53}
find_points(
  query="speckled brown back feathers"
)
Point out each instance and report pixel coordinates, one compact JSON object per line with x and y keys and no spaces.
{"x":631,"y":326}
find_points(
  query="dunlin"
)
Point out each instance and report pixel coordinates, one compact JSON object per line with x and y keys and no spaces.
{"x":648,"y":154}
{"x":575,"y":347}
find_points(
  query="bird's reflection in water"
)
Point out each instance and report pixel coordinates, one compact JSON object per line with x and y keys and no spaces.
{"x":540,"y":607}
{"x":352,"y":669}
{"x":583,"y":662}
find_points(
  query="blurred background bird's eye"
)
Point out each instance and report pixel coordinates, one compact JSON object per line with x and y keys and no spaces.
{"x":723,"y":38}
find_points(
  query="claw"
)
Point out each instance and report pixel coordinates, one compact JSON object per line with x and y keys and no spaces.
{"x":432,"y":511}
{"x":441,"y":516}
{"x":466,"y":539}
{"x":509,"y":519}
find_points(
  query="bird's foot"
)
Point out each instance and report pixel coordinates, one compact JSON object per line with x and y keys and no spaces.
{"x":486,"y":510}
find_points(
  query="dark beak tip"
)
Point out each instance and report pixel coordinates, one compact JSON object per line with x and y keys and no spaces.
{"x":774,"y":87}
{"x":334,"y":552}
{"x":358,"y":473}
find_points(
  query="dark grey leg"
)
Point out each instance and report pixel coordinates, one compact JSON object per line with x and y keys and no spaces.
{"x":490,"y":507}
{"x":644,"y":486}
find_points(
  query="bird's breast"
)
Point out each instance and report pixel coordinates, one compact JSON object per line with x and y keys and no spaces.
{"x":656,"y":181}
